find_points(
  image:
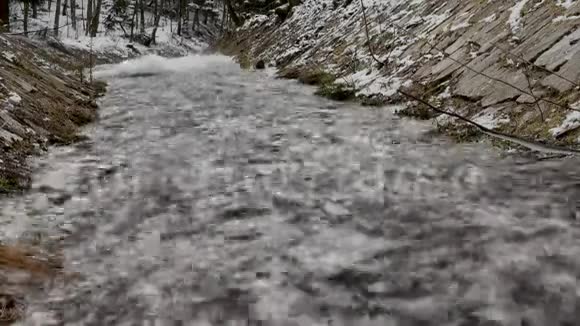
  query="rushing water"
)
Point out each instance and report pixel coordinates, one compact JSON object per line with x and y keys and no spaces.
{"x":212,"y":196}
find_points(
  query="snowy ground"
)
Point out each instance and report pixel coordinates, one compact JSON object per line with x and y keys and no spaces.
{"x":111,"y":42}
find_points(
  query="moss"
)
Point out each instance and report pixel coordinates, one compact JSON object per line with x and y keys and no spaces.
{"x":421,"y":112}
{"x":244,"y":61}
{"x":337,"y":92}
{"x":8,"y":185}
{"x":376,"y":100}
{"x":461,"y":133}
{"x":316,"y":77}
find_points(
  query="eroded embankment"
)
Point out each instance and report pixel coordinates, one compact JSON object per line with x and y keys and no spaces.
{"x":510,"y":65}
{"x":44,"y":98}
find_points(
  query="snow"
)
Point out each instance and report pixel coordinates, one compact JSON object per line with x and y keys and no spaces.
{"x":489,"y":19}
{"x":111,"y":41}
{"x":516,"y":16}
{"x":565,"y":18}
{"x":565,"y":3}
{"x":572,"y":121}
{"x":14,"y":98}
{"x":490,"y":119}
{"x":8,"y":56}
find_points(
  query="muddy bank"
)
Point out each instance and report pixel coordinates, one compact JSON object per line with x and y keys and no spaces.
{"x":44,"y":99}
{"x":511,"y":66}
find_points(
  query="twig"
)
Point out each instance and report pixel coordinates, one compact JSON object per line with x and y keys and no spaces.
{"x":536,"y":100}
{"x":372,"y":53}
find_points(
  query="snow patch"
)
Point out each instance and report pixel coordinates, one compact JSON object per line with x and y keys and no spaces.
{"x":565,"y":3}
{"x":572,"y":121}
{"x":489,"y":119}
{"x":516,"y":16}
{"x":9,"y":56}
{"x":14,"y":98}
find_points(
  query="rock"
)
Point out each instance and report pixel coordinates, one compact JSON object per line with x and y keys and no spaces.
{"x":260,"y":65}
{"x":336,"y":210}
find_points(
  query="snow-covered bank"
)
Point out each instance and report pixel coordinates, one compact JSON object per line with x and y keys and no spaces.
{"x":469,"y":57}
{"x":42,"y":101}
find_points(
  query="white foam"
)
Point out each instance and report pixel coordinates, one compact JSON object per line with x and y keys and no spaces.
{"x":154,"y":65}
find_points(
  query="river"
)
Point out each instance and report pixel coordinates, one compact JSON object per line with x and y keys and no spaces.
{"x":209,"y":195}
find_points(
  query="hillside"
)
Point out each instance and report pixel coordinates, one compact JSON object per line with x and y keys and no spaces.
{"x":44,"y":98}
{"x":510,"y":65}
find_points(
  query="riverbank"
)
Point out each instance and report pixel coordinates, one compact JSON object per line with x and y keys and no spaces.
{"x":510,"y":66}
{"x":45,"y":97}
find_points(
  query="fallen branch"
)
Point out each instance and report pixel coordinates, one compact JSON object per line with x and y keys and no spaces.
{"x":510,"y":138}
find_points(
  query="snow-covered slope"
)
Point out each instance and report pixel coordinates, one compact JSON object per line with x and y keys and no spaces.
{"x":490,"y":58}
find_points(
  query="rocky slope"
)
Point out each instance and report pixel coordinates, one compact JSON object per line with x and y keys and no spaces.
{"x":44,"y":98}
{"x":510,"y":65}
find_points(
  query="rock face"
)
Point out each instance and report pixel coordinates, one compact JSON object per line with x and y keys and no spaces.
{"x":467,"y":56}
{"x":42,"y":101}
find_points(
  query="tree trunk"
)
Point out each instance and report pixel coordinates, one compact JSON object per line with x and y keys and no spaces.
{"x":35,"y":9}
{"x":158,"y":10}
{"x":179,"y":16}
{"x":96,"y":17}
{"x":135,"y":6}
{"x":89,"y":16}
{"x":224,"y":13}
{"x":26,"y":10}
{"x":4,"y":16}
{"x":73,"y":13}
{"x":142,"y":16}
{"x":64,"y":7}
{"x":57,"y":17}
{"x":195,"y":19}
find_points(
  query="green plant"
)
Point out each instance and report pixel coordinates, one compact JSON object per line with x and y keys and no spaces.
{"x":337,"y":91}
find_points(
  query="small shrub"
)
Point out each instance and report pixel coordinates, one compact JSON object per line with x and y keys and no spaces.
{"x":337,"y":92}
{"x":316,"y":77}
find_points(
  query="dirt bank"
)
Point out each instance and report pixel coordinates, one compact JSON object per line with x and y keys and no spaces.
{"x":44,"y":99}
{"x":510,"y":65}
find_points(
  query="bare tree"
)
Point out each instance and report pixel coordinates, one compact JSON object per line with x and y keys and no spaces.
{"x":35,"y":9}
{"x":133,"y":20}
{"x":95,"y":19}
{"x":179,"y":16}
{"x":158,"y":9}
{"x":64,"y":7}
{"x":73,"y":13}
{"x":57,"y":17}
{"x":142,"y":8}
{"x":26,"y":10}
{"x":89,"y":16}
{"x":4,"y":16}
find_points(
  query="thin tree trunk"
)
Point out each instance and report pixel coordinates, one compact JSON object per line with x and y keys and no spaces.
{"x":73,"y":13}
{"x":142,"y":16}
{"x":64,"y":7}
{"x":49,"y":5}
{"x":179,"y":14}
{"x":35,"y":9}
{"x":26,"y":10}
{"x":89,"y":16}
{"x":96,"y":17}
{"x":158,"y":10}
{"x":57,"y":17}
{"x":4,"y":15}
{"x":133,"y":20}
{"x":196,"y":19}
{"x":224,"y":14}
